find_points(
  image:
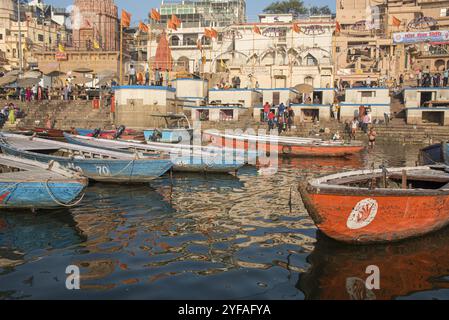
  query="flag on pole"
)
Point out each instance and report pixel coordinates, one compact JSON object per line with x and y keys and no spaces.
{"x":214,"y":33}
{"x":396,"y":22}
{"x":61,"y":48}
{"x":143,"y":27}
{"x":171,"y":24}
{"x":176,"y":20}
{"x":126,"y":19}
{"x":155,"y":15}
{"x":256,"y":29}
{"x":207,"y":33}
{"x":337,"y":27}
{"x":296,"y":28}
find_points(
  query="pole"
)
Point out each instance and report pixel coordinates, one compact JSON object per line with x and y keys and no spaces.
{"x":150,"y":67}
{"x":121,"y":54}
{"x":20,"y":38}
{"x":290,"y":59}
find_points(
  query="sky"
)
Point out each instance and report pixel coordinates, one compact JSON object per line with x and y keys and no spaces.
{"x":140,"y":8}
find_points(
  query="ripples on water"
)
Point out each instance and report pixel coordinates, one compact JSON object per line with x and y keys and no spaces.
{"x":211,"y":237}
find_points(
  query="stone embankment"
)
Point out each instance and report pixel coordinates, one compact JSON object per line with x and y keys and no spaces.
{"x":66,"y":114}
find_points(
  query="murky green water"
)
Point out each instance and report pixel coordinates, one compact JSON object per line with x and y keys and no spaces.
{"x":211,"y":237}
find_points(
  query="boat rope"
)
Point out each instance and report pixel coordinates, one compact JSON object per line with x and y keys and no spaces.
{"x":67,"y":205}
{"x":124,"y":169}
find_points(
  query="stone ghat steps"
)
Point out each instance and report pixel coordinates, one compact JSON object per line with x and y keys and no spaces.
{"x":66,"y":114}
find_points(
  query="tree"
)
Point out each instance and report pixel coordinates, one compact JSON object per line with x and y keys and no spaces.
{"x":318,"y":11}
{"x":296,"y":7}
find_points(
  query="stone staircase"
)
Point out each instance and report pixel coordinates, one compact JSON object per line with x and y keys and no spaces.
{"x":65,"y":114}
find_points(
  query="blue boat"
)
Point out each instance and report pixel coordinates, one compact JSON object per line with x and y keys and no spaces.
{"x":26,"y":184}
{"x":185,"y":158}
{"x":435,"y":154}
{"x":177,"y":129}
{"x":96,"y":164}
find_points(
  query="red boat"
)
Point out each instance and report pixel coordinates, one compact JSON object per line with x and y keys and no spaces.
{"x":288,"y":146}
{"x":372,"y":206}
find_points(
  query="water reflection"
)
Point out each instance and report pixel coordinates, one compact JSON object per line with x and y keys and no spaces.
{"x":339,"y":271}
{"x":189,"y":237}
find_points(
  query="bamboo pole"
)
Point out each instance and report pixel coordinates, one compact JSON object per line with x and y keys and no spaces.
{"x":121,"y":54}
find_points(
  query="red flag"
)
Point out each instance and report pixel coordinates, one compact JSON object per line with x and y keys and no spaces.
{"x":296,"y":28}
{"x":143,"y":27}
{"x":126,"y":19}
{"x":256,"y":29}
{"x":155,"y":15}
{"x":396,"y":22}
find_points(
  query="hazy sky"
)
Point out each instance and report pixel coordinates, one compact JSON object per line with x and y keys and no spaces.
{"x":140,"y":8}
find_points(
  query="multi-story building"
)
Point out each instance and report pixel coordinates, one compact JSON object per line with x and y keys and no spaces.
{"x":205,"y":13}
{"x":38,"y":30}
{"x":278,"y":57}
{"x":383,"y":40}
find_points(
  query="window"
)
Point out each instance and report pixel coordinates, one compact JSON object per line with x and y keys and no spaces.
{"x":368,"y":94}
{"x":1,"y":36}
{"x":337,"y":49}
{"x":40,"y":38}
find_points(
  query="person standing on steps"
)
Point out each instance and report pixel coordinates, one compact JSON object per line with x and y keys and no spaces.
{"x":372,"y":135}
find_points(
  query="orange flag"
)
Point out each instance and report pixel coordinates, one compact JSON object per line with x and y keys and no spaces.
{"x":256,"y":29}
{"x":143,"y":27}
{"x":207,"y":33}
{"x":126,"y":19}
{"x":172,"y":25}
{"x":396,"y":22}
{"x":214,"y":33}
{"x":337,"y":27}
{"x":155,"y":15}
{"x":176,"y":20}
{"x":296,"y":28}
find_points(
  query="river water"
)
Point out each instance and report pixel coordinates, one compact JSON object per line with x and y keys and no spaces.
{"x":212,"y":237}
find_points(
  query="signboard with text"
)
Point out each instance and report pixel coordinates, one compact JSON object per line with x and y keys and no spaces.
{"x":422,"y":36}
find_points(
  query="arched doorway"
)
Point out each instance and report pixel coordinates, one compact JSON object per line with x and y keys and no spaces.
{"x":175,"y":41}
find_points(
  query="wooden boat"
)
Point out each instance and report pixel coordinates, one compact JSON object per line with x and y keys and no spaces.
{"x":286,"y":146}
{"x":30,"y":184}
{"x":435,"y":154}
{"x":120,"y":133}
{"x":42,"y":132}
{"x":371,"y":206}
{"x":177,"y":129}
{"x":96,"y":164}
{"x":185,"y":158}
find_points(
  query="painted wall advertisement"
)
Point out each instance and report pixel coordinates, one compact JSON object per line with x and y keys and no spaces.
{"x":422,"y":36}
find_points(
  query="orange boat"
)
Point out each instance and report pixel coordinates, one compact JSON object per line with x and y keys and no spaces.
{"x":378,"y":205}
{"x":338,"y":271}
{"x":287,"y":146}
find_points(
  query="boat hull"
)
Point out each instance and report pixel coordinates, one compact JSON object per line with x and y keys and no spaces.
{"x":170,"y":135}
{"x":435,"y":154}
{"x":105,"y":170}
{"x":192,"y":164}
{"x":306,"y":150}
{"x":40,"y":195}
{"x":368,"y":218}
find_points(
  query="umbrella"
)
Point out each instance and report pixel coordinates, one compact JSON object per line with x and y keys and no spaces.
{"x":83,"y":70}
{"x":32,"y":74}
{"x":81,"y":80}
{"x":304,"y":88}
{"x":54,"y":73}
{"x":104,"y":81}
{"x":12,"y":73}
{"x":27,"y":82}
{"x":7,"y":80}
